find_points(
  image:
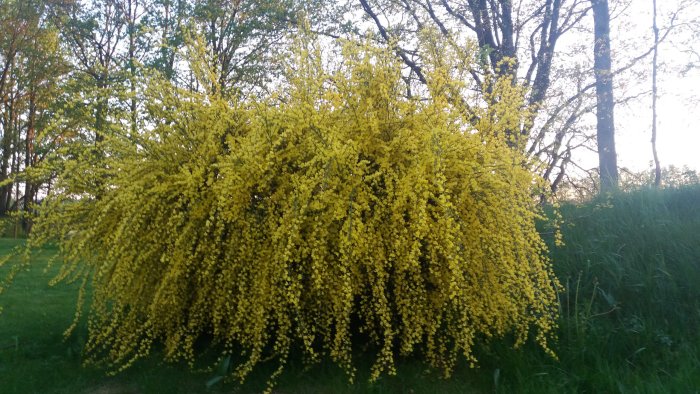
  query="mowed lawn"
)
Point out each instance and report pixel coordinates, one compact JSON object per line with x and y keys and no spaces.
{"x":36,"y":358}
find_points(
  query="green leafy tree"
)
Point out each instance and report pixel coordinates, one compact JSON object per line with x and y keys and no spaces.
{"x":34,"y":67}
{"x":167,"y":20}
{"x":241,"y":39}
{"x":95,"y":32}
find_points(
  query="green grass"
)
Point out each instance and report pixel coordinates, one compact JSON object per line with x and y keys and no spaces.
{"x":631,"y":313}
{"x":35,"y":357}
{"x":630,"y":322}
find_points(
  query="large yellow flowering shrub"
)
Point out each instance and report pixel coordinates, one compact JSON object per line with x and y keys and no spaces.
{"x":334,"y":208}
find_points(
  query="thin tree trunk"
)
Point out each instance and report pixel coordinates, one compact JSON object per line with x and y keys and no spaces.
{"x":29,"y":158}
{"x":15,"y":164}
{"x":6,"y":169}
{"x":132,"y":10}
{"x":100,"y":120}
{"x":654,"y":96}
{"x":607,"y":156}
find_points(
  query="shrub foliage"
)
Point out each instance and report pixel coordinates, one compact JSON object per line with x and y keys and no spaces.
{"x":335,"y":210}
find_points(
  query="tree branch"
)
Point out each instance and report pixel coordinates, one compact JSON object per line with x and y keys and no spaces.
{"x":390,"y":41}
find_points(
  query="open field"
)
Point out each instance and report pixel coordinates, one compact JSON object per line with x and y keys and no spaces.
{"x":630,"y":322}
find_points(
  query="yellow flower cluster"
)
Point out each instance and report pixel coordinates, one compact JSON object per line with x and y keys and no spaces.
{"x":336,"y":208}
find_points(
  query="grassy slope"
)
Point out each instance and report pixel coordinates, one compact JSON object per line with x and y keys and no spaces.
{"x":630,"y":321}
{"x":631,"y":309}
{"x":633,"y":264}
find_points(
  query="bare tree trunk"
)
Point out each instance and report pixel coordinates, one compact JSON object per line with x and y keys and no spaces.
{"x":132,"y":15}
{"x":100,"y":111}
{"x":29,"y":186}
{"x":15,"y":164}
{"x":654,"y":70}
{"x":5,"y":166}
{"x":607,"y":156}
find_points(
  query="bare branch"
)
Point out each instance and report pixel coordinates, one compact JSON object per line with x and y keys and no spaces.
{"x":458,"y":16}
{"x":390,"y":41}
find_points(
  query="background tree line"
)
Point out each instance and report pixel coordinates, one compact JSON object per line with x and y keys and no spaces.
{"x":71,"y":71}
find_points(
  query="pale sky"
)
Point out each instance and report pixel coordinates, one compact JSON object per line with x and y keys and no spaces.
{"x":678,"y":140}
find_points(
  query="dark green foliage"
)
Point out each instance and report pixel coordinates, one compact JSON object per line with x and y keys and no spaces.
{"x":635,"y":257}
{"x":631,"y":311}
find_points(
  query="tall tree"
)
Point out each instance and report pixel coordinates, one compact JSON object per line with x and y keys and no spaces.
{"x":654,"y":97}
{"x":605,"y":130}
{"x":44,"y":70}
{"x":33,"y":67}
{"x":167,"y":20}
{"x":510,"y":37}
{"x":95,"y":33}
{"x":516,"y":39}
{"x":240,"y":36}
{"x":133,"y":11}
{"x":14,"y":32}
